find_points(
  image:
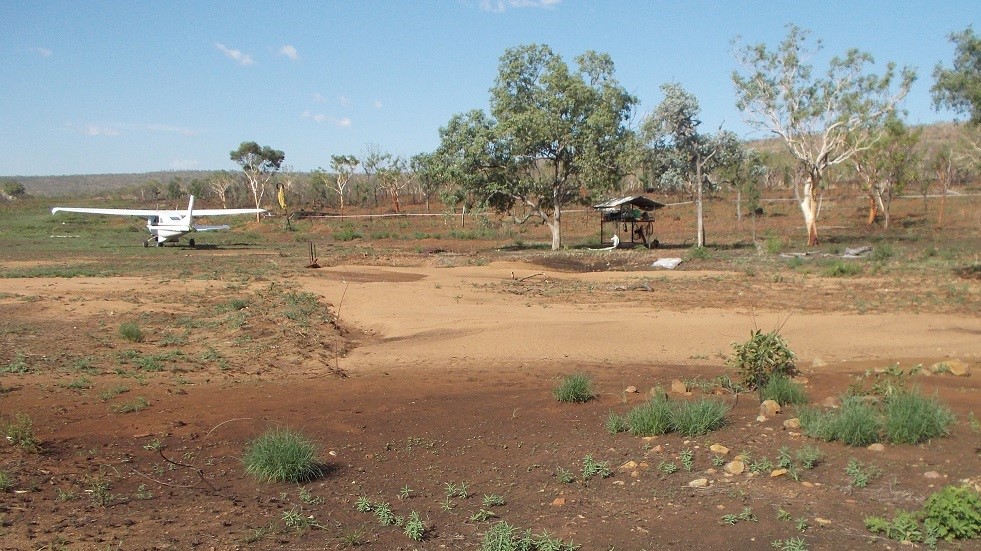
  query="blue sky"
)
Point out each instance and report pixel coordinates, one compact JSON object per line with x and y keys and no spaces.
{"x":112,"y":87}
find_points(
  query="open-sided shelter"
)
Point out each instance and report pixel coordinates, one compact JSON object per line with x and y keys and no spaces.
{"x":634,"y":214}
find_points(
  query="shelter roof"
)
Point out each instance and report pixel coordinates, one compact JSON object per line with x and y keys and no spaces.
{"x":639,"y":201}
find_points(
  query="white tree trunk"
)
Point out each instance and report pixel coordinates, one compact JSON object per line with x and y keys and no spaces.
{"x":809,"y":208}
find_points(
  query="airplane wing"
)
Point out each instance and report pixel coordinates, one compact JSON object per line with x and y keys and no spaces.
{"x":226,"y":212}
{"x":199,"y":227}
{"x":117,"y":212}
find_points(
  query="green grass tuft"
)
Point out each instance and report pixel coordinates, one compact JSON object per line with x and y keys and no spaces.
{"x":577,"y":388}
{"x":784,"y":391}
{"x":912,"y":418}
{"x":698,"y":417}
{"x":131,"y":332}
{"x":281,"y":455}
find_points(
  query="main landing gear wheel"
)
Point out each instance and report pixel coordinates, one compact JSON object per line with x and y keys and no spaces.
{"x":190,"y":242}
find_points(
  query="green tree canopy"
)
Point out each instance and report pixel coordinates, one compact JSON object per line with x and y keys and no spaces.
{"x":959,"y":87}
{"x":554,"y":135}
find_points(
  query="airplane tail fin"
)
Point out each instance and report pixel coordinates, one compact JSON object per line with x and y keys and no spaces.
{"x":190,"y":213}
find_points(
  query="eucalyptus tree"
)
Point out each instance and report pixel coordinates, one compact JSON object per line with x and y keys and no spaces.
{"x":555,"y":135}
{"x":259,"y":164}
{"x":959,"y":87}
{"x":343,"y":167}
{"x":680,"y":155}
{"x":822,"y":120}
{"x":888,"y":166}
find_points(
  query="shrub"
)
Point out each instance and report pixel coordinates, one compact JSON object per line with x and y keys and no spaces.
{"x":784,"y":391}
{"x":698,"y":417}
{"x":131,"y":332}
{"x":281,"y":455}
{"x":763,"y":355}
{"x":912,"y":418}
{"x":615,"y":423}
{"x":843,"y":269}
{"x":574,"y":388}
{"x":651,"y":418}
{"x":953,"y":513}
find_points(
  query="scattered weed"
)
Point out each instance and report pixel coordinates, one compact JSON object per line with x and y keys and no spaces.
{"x":384,"y":514}
{"x":20,"y":433}
{"x":5,"y":482}
{"x":859,"y":474}
{"x":493,"y":500}
{"x":18,"y":365}
{"x":783,"y":391}
{"x":564,"y":476}
{"x":131,"y":331}
{"x":137,"y":405}
{"x":953,"y":513}
{"x":591,"y":468}
{"x":790,"y":544}
{"x":615,"y":423}
{"x":354,"y":537}
{"x":414,"y":528}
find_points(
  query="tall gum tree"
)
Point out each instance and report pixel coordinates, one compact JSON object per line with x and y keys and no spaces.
{"x":680,"y":155}
{"x":554,"y":136}
{"x":259,"y":164}
{"x":823,"y":120}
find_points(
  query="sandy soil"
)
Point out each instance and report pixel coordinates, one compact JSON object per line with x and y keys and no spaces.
{"x":431,"y":373}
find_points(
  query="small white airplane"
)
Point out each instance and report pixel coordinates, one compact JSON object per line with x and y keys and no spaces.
{"x":167,"y":225}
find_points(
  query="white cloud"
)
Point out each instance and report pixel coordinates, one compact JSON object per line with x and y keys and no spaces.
{"x":289,"y":51}
{"x":320,"y":118}
{"x":96,"y":130}
{"x":43,"y":52}
{"x":172,"y":129}
{"x":235,"y":55}
{"x":183,"y":164}
{"x":319,"y":98}
{"x":377,"y":104}
{"x":498,"y":6}
{"x":345,"y":101}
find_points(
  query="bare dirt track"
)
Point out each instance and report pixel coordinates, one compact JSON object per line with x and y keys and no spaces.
{"x":437,"y":372}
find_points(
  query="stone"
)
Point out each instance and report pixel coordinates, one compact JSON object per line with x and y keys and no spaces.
{"x":761,"y":418}
{"x":735,"y":467}
{"x":876,"y":447}
{"x":777,"y":472}
{"x":558,"y":502}
{"x":631,"y":390}
{"x":931,"y":474}
{"x":699,"y":483}
{"x":822,"y":521}
{"x":831,"y":402}
{"x":629,"y":466}
{"x":954,"y":367}
{"x":678,"y":386}
{"x":793,"y":423}
{"x":807,"y":484}
{"x":818,"y":362}
{"x":718,"y":449}
{"x":769,"y":408}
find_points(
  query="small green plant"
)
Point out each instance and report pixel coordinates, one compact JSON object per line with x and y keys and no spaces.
{"x":353,"y":537}
{"x":111,"y":393}
{"x":281,"y":455}
{"x":973,"y":422}
{"x":801,"y":524}
{"x":405,"y":492}
{"x":482,"y":515}
{"x":783,"y":391}
{"x":137,"y":405}
{"x":790,"y":544}
{"x":718,"y":460}
{"x":856,"y":422}
{"x":687,"y":458}
{"x":729,"y":520}
{"x":493,"y":500}
{"x":307,"y":497}
{"x":256,"y":534}
{"x":384,"y":514}
{"x":953,"y":513}
{"x":667,"y":467}
{"x":698,"y":253}
{"x":65,"y":495}
{"x":99,"y":489}
{"x":783,"y":458}
{"x":20,"y":433}
{"x":447,"y":505}
{"x":747,"y":515}
{"x":759,"y":358}
{"x":461,"y":491}
{"x":783,"y":515}
{"x":761,"y":466}
{"x":142,"y":492}
{"x":564,"y":476}
{"x":18,"y":365}
{"x":859,"y":474}
{"x":294,"y":519}
{"x":131,"y":331}
{"x":5,"y":482}
{"x":808,"y":456}
{"x":363,"y":505}
{"x":591,"y":468}
{"x":414,"y":527}
{"x":697,"y":417}
{"x":840,"y":268}
{"x":575,"y":388}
